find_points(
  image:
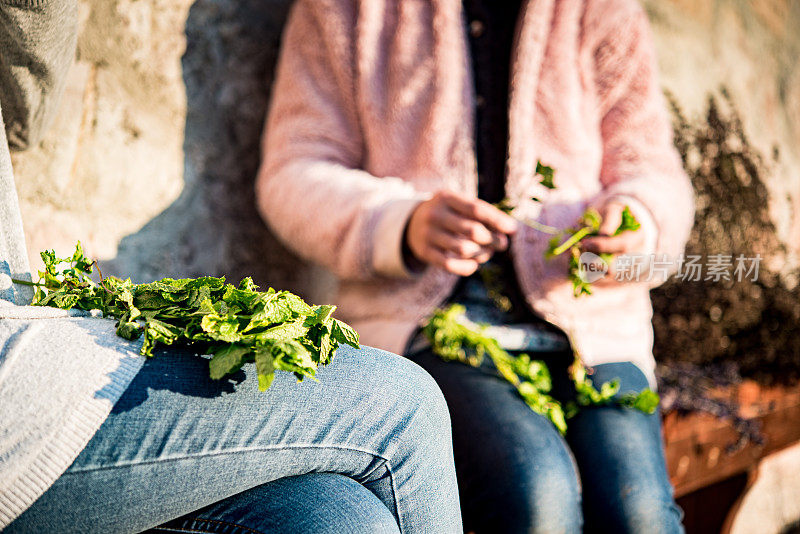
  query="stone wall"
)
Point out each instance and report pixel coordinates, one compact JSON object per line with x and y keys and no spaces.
{"x":152,"y":158}
{"x":750,"y":47}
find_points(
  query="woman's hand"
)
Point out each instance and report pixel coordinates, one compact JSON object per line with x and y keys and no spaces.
{"x":457,"y":233}
{"x":628,"y":242}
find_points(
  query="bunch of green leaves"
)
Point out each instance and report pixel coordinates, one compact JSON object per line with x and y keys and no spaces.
{"x":233,"y":324}
{"x":570,"y":241}
{"x":586,"y":394}
{"x":452,"y":340}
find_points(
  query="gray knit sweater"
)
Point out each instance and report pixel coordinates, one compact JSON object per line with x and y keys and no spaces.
{"x":60,"y":375}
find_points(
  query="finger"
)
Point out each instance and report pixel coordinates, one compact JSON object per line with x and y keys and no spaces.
{"x":457,"y":266}
{"x":468,"y":228}
{"x":612,"y":218}
{"x":499,"y":241}
{"x":455,"y":244}
{"x":484,"y":256}
{"x":625,"y":243}
{"x":483,"y":212}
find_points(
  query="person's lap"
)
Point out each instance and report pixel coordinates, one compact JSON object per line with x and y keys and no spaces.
{"x":516,"y":473}
{"x":177,"y":441}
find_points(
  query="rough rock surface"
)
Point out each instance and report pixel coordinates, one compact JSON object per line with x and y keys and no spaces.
{"x":152,"y":158}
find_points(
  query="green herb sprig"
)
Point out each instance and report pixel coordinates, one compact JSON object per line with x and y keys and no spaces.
{"x":570,"y":239}
{"x":235,"y":324}
{"x":645,"y":400}
{"x":452,"y":340}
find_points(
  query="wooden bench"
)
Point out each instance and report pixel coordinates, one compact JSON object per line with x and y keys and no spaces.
{"x":711,"y":482}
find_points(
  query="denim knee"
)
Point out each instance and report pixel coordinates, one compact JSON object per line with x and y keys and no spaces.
{"x":432,"y":400}
{"x":555,"y":507}
{"x":639,"y":513}
{"x":418,"y":390}
{"x":538,"y":497}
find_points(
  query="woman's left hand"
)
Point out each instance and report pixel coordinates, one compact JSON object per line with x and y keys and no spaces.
{"x":628,"y":242}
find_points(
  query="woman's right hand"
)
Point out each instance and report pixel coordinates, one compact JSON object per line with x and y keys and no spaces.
{"x":456,"y":232}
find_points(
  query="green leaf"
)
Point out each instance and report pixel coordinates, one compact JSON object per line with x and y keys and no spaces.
{"x":162,"y":332}
{"x":227,"y":360}
{"x":629,"y":222}
{"x":342,"y":333}
{"x":547,"y":174}
{"x":64,"y":300}
{"x":265,"y":367}
{"x":147,"y":299}
{"x":609,"y":389}
{"x":645,"y":401}
{"x":323,"y":313}
{"x":282,"y":332}
{"x":505,"y":206}
{"x":326,"y":347}
{"x":80,"y":261}
{"x":247,"y":284}
{"x":221,"y":328}
{"x":556,"y":415}
{"x":294,"y":357}
{"x":129,"y":330}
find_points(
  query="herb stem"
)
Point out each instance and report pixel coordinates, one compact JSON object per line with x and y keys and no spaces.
{"x":27,"y":283}
{"x":574,"y":238}
{"x":536,"y":225}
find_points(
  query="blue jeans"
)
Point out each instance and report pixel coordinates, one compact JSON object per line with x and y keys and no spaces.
{"x":178,"y":442}
{"x":517,"y":474}
{"x":316,"y":503}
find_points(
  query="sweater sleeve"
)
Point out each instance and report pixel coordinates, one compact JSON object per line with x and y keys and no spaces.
{"x":639,"y":158}
{"x":37,"y":45}
{"x":310,"y":188}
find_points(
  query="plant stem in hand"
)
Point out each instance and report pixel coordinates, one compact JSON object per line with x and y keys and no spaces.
{"x":573,"y":240}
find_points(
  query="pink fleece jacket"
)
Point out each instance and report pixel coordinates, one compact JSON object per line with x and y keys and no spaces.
{"x":372,"y":112}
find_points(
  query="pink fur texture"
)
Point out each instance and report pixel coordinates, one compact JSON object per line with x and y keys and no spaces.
{"x":372,"y":112}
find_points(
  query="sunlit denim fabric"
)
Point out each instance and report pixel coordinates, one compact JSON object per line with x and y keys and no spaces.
{"x":177,"y":441}
{"x":516,"y":473}
{"x":316,"y":503}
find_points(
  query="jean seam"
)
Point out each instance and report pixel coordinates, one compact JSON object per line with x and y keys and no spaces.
{"x":221,"y":453}
{"x":221,"y":523}
{"x":173,"y":529}
{"x":176,"y":529}
{"x":394,"y":500}
{"x":260,"y":449}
